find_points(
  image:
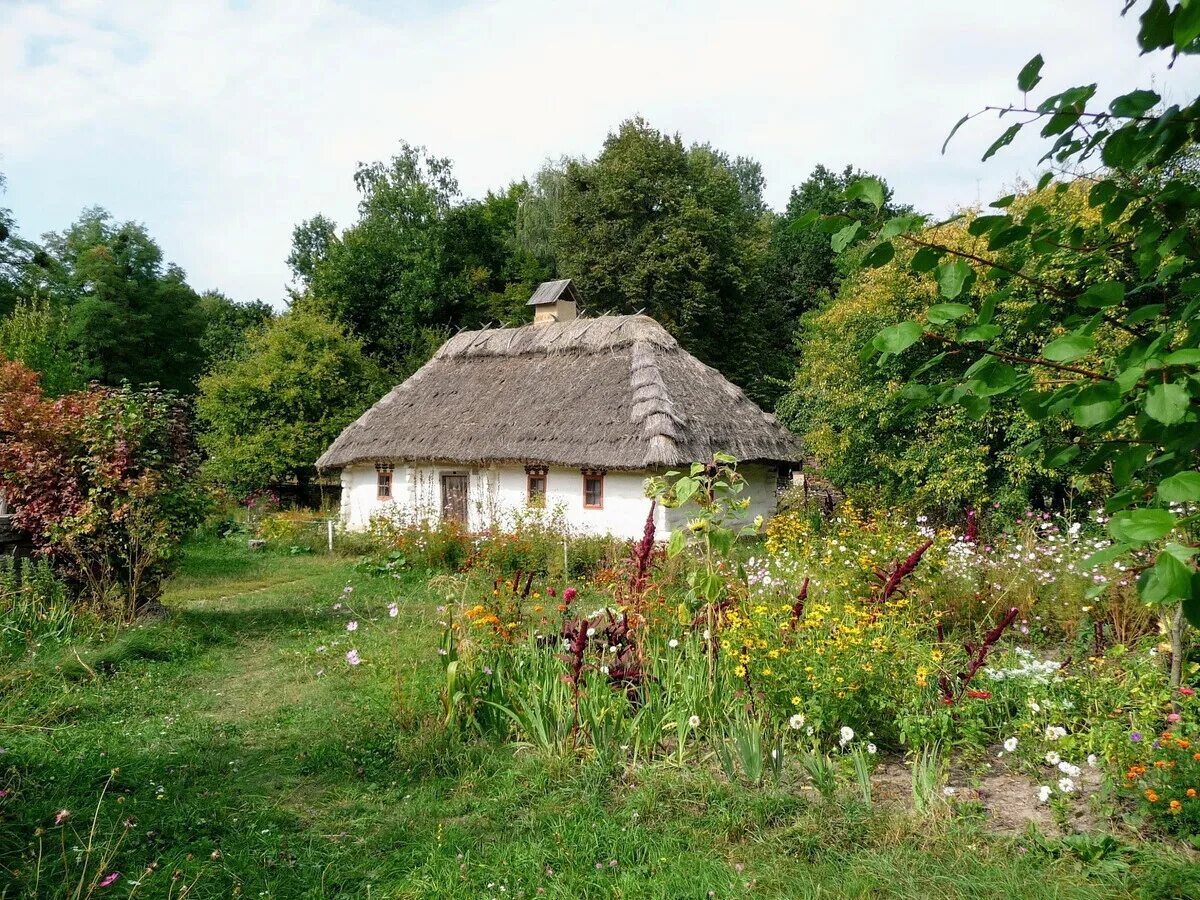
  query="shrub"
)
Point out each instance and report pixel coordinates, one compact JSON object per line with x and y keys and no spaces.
{"x":103,"y":480}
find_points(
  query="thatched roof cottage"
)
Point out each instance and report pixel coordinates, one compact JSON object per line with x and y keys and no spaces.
{"x":567,"y":411}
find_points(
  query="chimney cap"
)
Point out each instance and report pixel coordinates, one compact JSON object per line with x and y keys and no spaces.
{"x":553,"y":291}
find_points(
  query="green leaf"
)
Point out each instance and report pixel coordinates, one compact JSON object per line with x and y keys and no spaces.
{"x":988,"y":308}
{"x":880,"y":255}
{"x":976,"y":407}
{"x":1126,"y":463}
{"x":804,"y":222}
{"x":897,"y":337}
{"x":1181,"y":487}
{"x":677,"y":542}
{"x":925,"y":260}
{"x":1105,"y":293}
{"x":1107,"y":555}
{"x":868,"y":190}
{"x":979,"y":333}
{"x":1169,"y":581}
{"x":995,"y":378}
{"x":1187,"y":23}
{"x":952,"y":277}
{"x":1067,"y":347}
{"x":953,"y":131}
{"x":1008,"y":236}
{"x":941,"y":313}
{"x":1030,"y":74}
{"x":1095,"y":404}
{"x":1133,"y":104}
{"x":1140,"y":526}
{"x":1004,"y":140}
{"x":1191,"y":606}
{"x":1183,"y":358}
{"x":1167,"y":403}
{"x":899,"y":225}
{"x":842,"y":239}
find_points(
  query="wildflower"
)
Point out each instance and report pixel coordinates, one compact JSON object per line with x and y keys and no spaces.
{"x":1092,"y":760}
{"x":1052,"y":758}
{"x":322,"y":648}
{"x":1191,"y":792}
{"x":694,"y":722}
{"x":1174,"y":717}
{"x":1066,"y":785}
{"x":1010,"y":745}
{"x":1067,"y":769}
{"x":353,"y":658}
{"x":1135,"y":737}
{"x":1175,"y":806}
{"x":393,"y":610}
{"x":1151,"y":796}
{"x":1187,"y":691}
{"x":980,"y":695}
{"x":948,"y":791}
{"x":110,"y":878}
{"x":352,"y":626}
{"x":336,"y":607}
{"x":846,"y":735}
{"x":1044,"y":793}
{"x":672,"y":643}
{"x":569,"y":594}
{"x":871,"y":748}
{"x":62,"y":816}
{"x":1055,"y":732}
{"x":348,"y":589}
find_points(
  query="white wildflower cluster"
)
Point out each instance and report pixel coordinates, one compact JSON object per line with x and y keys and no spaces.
{"x":1028,"y":667}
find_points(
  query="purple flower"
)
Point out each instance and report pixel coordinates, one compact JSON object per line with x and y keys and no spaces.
{"x":1136,"y":736}
{"x":487,"y":670}
{"x":353,"y":658}
{"x":110,"y":878}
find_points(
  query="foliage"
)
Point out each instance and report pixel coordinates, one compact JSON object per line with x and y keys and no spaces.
{"x":267,"y":414}
{"x":129,"y":316}
{"x":227,"y":326}
{"x":1117,"y":332}
{"x":35,"y":604}
{"x":103,"y":480}
{"x":35,"y":335}
{"x":656,"y":226}
{"x":1167,"y":779}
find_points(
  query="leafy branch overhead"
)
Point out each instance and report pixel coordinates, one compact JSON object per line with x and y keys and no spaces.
{"x":1110,"y":302}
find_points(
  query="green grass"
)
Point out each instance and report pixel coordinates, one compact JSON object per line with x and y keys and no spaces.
{"x":229,"y":732}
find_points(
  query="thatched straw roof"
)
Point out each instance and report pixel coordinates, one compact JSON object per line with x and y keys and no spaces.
{"x":615,"y":392}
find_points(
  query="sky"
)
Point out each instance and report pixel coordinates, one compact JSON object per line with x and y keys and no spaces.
{"x":221,"y":125}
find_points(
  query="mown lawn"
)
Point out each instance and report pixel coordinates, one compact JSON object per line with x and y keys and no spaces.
{"x":237,"y":758}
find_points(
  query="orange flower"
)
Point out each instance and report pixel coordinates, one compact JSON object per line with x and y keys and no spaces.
{"x":1191,"y":792}
{"x":1184,"y":743}
{"x":1196,"y":757}
{"x":1151,"y":796}
{"x":1175,"y":806}
{"x":1160,"y":764}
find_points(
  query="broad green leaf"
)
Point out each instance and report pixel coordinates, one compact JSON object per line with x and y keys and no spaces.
{"x":868,"y":190}
{"x":842,"y":239}
{"x":1067,"y":347}
{"x":1004,"y":140}
{"x":1140,"y":526}
{"x":1187,"y":23}
{"x":1181,"y":487}
{"x":941,"y":313}
{"x":1168,"y":581}
{"x":1167,"y":403}
{"x":804,"y":222}
{"x":925,"y":260}
{"x":897,"y":337}
{"x":1061,"y":456}
{"x":1133,"y":104}
{"x":976,"y":407}
{"x":1095,"y":404}
{"x":881,"y":254}
{"x":983,"y":224}
{"x":1191,"y":606}
{"x":1106,"y":293}
{"x":952,"y":277}
{"x":1126,"y":463}
{"x":898,"y":225}
{"x":979,"y":333}
{"x":988,"y":308}
{"x":993,"y":379}
{"x":677,"y":542}
{"x":1183,"y":358}
{"x":1107,"y":555}
{"x":1002,"y":239}
{"x":1030,"y":74}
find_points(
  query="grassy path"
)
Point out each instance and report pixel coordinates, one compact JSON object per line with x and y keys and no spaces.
{"x":253,"y":761}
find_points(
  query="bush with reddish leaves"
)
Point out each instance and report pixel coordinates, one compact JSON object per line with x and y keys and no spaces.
{"x":104,"y":482}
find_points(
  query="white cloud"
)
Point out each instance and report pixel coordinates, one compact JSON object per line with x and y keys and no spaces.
{"x":221,"y":126}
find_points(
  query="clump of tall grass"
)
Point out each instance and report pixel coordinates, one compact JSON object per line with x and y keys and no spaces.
{"x":35,"y":604}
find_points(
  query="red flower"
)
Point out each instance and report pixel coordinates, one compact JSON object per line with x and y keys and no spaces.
{"x":980,"y":695}
{"x":1187,"y":691}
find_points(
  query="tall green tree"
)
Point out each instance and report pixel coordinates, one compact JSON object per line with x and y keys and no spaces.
{"x":269,"y":412}
{"x":35,"y":335}
{"x":678,"y":232}
{"x":227,"y":325}
{"x":129,"y":315}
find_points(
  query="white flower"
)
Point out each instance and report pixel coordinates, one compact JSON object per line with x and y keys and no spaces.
{"x":591,"y":631}
{"x":393,"y":610}
{"x":352,"y":626}
{"x":1067,"y":769}
{"x":1091,"y":760}
{"x":1033,"y":705}
{"x":604,"y":670}
{"x":1066,"y":785}
{"x":796,"y":722}
{"x":871,"y":748}
{"x":1052,"y":758}
{"x":694,"y":722}
{"x":672,"y":643}
{"x":949,"y":791}
{"x":847,"y":735}
{"x":809,"y":731}
{"x":1055,"y":732}
{"x":1044,"y":793}
{"x":1011,"y":744}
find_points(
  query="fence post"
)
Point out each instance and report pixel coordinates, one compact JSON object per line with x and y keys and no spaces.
{"x":329,"y":524}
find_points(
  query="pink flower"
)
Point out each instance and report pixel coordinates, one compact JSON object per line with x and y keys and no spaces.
{"x":336,"y":607}
{"x":1187,"y":691}
{"x":569,"y":594}
{"x":110,"y":878}
{"x":352,"y":626}
{"x":62,"y":816}
{"x":348,"y":589}
{"x":393,"y":610}
{"x":353,"y":658}
{"x":1174,"y":717}
{"x":3,"y":793}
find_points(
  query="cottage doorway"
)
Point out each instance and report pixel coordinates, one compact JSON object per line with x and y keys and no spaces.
{"x":454,"y":498}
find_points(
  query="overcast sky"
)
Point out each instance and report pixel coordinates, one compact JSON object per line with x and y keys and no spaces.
{"x":220,"y":125}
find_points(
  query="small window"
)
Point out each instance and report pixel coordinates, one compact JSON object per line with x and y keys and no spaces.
{"x":383,"y":481}
{"x":537,"y":489}
{"x":593,"y":490}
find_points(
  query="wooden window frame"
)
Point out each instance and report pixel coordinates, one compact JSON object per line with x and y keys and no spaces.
{"x":536,"y":501}
{"x":597,"y":474}
{"x":382,"y":470}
